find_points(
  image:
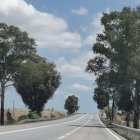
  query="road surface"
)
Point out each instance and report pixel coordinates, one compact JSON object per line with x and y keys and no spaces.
{"x":77,"y":127}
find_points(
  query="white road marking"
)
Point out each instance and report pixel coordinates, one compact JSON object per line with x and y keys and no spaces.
{"x":34,"y":128}
{"x":62,"y":137}
{"x":109,"y":130}
{"x":73,"y":131}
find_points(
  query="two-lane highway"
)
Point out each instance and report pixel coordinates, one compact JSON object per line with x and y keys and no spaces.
{"x":77,"y":127}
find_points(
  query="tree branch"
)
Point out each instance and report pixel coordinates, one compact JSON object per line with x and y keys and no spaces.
{"x":9,"y":85}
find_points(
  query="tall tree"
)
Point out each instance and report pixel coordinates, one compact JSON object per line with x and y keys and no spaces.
{"x":15,"y":47}
{"x":71,"y":104}
{"x":36,"y":82}
{"x":117,"y":47}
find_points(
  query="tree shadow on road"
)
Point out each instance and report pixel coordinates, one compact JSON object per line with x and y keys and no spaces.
{"x":96,"y":126}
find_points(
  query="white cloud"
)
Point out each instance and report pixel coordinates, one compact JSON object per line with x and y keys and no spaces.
{"x":84,"y":29}
{"x":81,"y":11}
{"x":96,"y":27}
{"x":49,"y":30}
{"x":97,"y":22}
{"x":90,"y":39}
{"x":137,"y":2}
{"x":73,"y":71}
{"x":80,"y":87}
{"x":75,"y":68}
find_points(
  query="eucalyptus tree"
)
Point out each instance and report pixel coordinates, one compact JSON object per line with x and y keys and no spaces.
{"x":15,"y":47}
{"x":117,"y":50}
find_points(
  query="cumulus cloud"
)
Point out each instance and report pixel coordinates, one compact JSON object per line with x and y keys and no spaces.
{"x":96,"y":27}
{"x":75,"y":68}
{"x":49,"y":30}
{"x":73,"y":71}
{"x":81,"y":11}
{"x":80,"y":87}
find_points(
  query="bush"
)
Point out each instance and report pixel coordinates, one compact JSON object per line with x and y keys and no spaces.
{"x":33,"y":115}
{"x":22,"y":117}
{"x":10,"y":119}
{"x":52,"y":116}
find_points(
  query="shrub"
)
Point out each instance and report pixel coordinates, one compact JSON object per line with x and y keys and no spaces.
{"x":22,"y":117}
{"x":33,"y":115}
{"x":10,"y":119}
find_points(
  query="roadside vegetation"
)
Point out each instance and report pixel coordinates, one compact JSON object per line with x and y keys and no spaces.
{"x":20,"y":115}
{"x":117,"y":65}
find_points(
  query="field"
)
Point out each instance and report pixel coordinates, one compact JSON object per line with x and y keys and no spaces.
{"x":48,"y":113}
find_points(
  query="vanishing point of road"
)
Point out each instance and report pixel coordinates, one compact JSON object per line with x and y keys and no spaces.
{"x":77,"y":127}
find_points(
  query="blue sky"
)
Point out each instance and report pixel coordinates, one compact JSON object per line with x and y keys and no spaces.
{"x":65,"y":31}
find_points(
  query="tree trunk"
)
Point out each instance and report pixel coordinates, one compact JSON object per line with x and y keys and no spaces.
{"x":128,"y":120}
{"x":2,"y":103}
{"x":136,"y":106}
{"x":112,"y":111}
{"x":109,"y":114}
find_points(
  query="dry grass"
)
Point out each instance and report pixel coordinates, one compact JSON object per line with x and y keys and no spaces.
{"x":120,"y":119}
{"x":46,"y":113}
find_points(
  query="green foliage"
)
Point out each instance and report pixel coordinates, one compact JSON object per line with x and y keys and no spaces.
{"x":107,"y":112}
{"x":71,"y":104}
{"x":101,"y":97}
{"x":36,"y":82}
{"x":22,"y":117}
{"x":15,"y":47}
{"x":33,"y":115}
{"x":30,"y":115}
{"x":10,"y":119}
{"x":117,"y":55}
{"x":124,"y":100}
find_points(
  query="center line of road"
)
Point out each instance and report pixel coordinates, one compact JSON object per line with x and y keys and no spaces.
{"x":109,"y":130}
{"x":46,"y":126}
{"x":73,"y":131}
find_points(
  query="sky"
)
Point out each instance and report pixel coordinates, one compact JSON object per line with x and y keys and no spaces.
{"x":65,"y":31}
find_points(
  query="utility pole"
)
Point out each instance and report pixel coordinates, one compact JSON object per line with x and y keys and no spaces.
{"x":13,"y":109}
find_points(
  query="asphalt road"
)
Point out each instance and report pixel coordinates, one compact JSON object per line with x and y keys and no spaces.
{"x":77,"y":127}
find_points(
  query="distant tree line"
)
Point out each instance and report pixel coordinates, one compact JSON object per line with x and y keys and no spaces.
{"x":34,"y":77}
{"x":117,"y":63}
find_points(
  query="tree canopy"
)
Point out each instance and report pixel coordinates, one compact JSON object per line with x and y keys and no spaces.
{"x":15,"y":47}
{"x":36,"y":82}
{"x":117,"y":50}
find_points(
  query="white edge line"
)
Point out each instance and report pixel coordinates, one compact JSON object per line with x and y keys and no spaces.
{"x":73,"y":131}
{"x":34,"y":128}
{"x":62,"y":137}
{"x":109,"y":130}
